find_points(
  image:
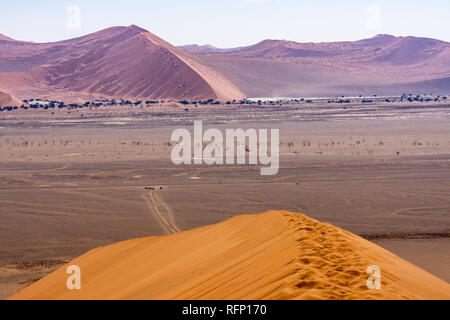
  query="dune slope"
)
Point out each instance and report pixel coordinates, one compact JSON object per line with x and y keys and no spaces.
{"x":275,"y":255}
{"x":8,"y":100}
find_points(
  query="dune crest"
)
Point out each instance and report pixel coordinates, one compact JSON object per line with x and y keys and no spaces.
{"x":5,"y":38}
{"x":274,"y":255}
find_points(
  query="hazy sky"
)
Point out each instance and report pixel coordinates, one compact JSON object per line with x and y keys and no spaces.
{"x":227,"y":23}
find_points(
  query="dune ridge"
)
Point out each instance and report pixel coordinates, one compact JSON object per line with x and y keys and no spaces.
{"x":274,"y":255}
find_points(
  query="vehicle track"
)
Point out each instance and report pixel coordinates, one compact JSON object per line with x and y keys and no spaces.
{"x":153,"y":204}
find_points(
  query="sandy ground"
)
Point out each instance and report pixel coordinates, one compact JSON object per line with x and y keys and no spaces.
{"x":276,"y":255}
{"x":433,"y":254}
{"x":16,"y":276}
{"x":70,"y":183}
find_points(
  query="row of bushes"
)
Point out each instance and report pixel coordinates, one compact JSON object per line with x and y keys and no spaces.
{"x":35,"y":104}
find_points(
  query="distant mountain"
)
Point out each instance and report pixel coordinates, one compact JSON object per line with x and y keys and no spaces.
{"x":121,"y":62}
{"x":195,"y":48}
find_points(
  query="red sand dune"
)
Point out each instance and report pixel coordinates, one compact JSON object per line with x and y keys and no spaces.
{"x":116,"y":62}
{"x":130,"y":62}
{"x":381,"y":65}
{"x":275,"y":255}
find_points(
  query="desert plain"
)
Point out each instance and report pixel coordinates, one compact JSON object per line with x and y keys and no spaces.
{"x":72,"y":180}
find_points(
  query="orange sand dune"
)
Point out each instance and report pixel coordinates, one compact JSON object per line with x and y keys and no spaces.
{"x":274,"y":255}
